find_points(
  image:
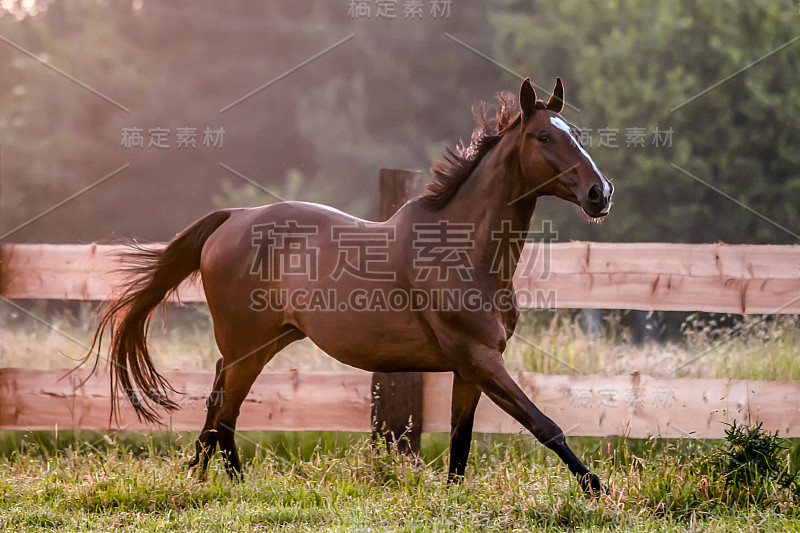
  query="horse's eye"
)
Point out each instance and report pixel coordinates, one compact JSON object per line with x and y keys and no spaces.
{"x":544,"y":138}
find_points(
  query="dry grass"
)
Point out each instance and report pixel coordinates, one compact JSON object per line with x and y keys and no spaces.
{"x":753,"y":347}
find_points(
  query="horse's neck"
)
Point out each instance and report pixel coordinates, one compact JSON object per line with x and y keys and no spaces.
{"x":493,"y":200}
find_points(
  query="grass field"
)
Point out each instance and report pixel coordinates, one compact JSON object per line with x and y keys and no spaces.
{"x":338,"y":482}
{"x":330,"y":482}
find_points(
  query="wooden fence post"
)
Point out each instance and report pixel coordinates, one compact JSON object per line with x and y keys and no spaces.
{"x":397,"y":397}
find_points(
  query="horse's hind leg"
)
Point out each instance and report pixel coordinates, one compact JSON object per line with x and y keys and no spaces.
{"x":238,"y":379}
{"x":239,"y":372}
{"x":462,"y":415}
{"x":206,"y":443}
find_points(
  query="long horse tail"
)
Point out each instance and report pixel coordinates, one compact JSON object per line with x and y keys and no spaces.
{"x":154,"y":275}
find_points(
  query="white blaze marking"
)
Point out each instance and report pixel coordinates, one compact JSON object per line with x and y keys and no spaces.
{"x":561,"y":124}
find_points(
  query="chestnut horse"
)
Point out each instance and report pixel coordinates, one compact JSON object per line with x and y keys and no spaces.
{"x":428,"y":290}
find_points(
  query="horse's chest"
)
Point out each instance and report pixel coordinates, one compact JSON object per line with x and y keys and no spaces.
{"x":509,"y":320}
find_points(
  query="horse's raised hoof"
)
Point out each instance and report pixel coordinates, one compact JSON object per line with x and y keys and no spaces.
{"x":592,"y":485}
{"x":195,"y":468}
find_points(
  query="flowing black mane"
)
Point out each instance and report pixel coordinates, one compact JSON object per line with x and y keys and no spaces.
{"x":459,"y":162}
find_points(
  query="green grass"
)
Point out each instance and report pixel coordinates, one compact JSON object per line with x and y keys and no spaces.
{"x":90,"y":481}
{"x":330,"y":482}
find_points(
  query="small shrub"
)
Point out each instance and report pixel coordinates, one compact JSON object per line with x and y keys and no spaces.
{"x":754,"y":465}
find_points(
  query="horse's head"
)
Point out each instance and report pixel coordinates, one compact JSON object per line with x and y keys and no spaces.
{"x":552,"y":158}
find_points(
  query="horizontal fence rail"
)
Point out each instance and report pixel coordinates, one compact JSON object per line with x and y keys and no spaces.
{"x":742,"y":279}
{"x":722,"y":278}
{"x":739,"y":279}
{"x":635,"y":406}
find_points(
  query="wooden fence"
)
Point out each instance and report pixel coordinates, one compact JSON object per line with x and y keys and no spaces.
{"x":720,"y":278}
{"x":636,"y":406}
{"x":741,"y":279}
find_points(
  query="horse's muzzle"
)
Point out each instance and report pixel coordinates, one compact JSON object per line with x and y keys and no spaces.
{"x":598,"y":200}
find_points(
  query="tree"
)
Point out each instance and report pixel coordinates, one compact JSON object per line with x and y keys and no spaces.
{"x":647,"y":65}
{"x":390,"y":97}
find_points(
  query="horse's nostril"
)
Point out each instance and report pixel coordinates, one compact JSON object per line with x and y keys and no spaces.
{"x":595,"y":193}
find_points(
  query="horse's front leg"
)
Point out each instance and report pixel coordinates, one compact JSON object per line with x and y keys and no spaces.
{"x":462,"y":415}
{"x":487,"y":372}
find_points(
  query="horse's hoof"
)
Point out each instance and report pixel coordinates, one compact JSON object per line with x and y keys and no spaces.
{"x":455,"y":479}
{"x":592,"y":485}
{"x":237,"y":476}
{"x":194,"y":469}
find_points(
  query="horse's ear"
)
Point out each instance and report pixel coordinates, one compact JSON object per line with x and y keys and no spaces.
{"x":556,"y":101}
{"x":527,"y":98}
